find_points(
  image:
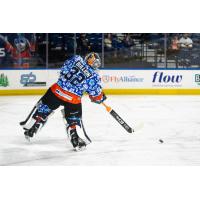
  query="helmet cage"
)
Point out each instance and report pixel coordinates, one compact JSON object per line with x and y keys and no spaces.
{"x":93,"y":59}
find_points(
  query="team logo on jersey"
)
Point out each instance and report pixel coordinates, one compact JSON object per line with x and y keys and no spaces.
{"x":197,"y":79}
{"x":29,"y":80}
{"x":3,"y":80}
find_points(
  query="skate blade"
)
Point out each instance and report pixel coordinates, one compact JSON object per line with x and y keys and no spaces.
{"x":27,"y":138}
{"x":80,"y":148}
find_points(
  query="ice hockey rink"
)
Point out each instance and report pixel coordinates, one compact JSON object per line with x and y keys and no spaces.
{"x":173,"y":119}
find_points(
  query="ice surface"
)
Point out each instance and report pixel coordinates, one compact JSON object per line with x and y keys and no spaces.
{"x":174,"y":119}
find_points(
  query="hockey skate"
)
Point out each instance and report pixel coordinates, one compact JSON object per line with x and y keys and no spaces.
{"x":33,"y":127}
{"x":78,"y":143}
{"x":29,"y":133}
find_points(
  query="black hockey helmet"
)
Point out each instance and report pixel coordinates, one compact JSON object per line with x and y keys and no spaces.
{"x":93,"y":59}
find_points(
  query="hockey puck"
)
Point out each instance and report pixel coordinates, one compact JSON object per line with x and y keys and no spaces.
{"x":161,"y":141}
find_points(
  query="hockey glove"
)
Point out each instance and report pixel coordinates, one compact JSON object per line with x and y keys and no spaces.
{"x":98,"y":99}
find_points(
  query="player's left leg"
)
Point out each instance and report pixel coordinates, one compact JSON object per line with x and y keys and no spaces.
{"x":73,"y":115}
{"x":38,"y":119}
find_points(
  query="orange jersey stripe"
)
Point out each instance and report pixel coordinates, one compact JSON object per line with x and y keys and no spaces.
{"x":65,"y":95}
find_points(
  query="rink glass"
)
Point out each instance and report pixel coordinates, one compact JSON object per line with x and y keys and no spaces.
{"x":117,"y":50}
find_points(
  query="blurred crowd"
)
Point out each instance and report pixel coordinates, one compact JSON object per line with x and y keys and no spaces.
{"x":35,"y":50}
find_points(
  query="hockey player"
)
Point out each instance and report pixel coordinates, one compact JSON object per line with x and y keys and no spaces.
{"x":77,"y":76}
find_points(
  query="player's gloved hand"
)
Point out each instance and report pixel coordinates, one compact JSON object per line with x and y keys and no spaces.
{"x":98,"y":99}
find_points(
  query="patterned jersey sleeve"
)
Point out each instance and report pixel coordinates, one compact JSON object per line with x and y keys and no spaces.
{"x":93,"y":86}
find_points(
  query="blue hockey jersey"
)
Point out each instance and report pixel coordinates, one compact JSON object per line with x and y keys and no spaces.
{"x":77,"y":77}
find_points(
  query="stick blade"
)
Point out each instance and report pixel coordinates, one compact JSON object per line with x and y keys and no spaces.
{"x":130,"y":130}
{"x":121,"y":121}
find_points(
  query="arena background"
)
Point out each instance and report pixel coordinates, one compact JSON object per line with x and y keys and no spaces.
{"x":132,"y":63}
{"x":169,"y":182}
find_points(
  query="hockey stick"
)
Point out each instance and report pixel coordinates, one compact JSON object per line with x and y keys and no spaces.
{"x":28,"y":117}
{"x":118,"y":118}
{"x":85,"y":132}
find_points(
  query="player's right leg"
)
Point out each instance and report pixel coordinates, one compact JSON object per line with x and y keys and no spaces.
{"x":44,"y":109}
{"x":72,"y":114}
